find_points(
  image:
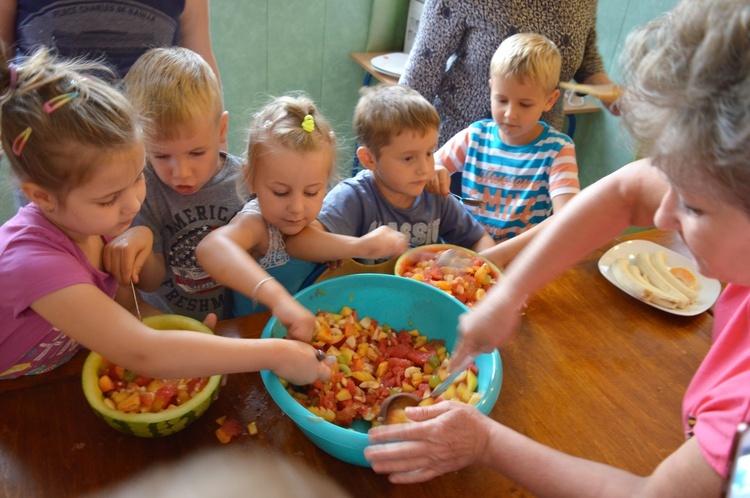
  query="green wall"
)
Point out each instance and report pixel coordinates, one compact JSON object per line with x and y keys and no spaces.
{"x":601,"y":144}
{"x":268,"y":47}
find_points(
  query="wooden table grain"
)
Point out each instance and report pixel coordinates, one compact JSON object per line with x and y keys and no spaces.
{"x":593,"y":372}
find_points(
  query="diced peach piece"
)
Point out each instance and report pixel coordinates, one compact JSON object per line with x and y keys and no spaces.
{"x":229,"y":428}
{"x":222,"y":436}
{"x":130,"y":404}
{"x":252,"y":429}
{"x":463,"y":392}
{"x":382,"y":369}
{"x":147,"y":400}
{"x":323,"y":413}
{"x":106,"y":384}
{"x":363,"y":376}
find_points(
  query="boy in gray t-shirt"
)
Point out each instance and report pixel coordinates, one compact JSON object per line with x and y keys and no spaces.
{"x":191,"y":185}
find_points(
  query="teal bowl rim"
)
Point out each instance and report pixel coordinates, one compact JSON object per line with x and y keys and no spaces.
{"x":320,"y":431}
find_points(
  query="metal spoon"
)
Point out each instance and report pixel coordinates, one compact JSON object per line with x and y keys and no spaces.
{"x":455,"y":260}
{"x":469,"y":201}
{"x":392,"y":408}
{"x":135,"y":299}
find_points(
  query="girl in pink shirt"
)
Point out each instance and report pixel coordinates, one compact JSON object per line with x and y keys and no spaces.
{"x":76,"y":146}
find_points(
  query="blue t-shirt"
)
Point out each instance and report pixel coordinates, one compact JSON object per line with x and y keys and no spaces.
{"x":356,"y":207}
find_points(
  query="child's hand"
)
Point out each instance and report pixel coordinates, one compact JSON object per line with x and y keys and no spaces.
{"x":210,"y":321}
{"x":440,"y":183}
{"x":300,"y":365}
{"x":298,"y":320}
{"x":125,"y":255}
{"x":383,"y":242}
{"x":334,"y":264}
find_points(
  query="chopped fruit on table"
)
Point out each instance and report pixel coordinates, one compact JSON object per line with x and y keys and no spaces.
{"x":229,"y":429}
{"x":252,"y":429}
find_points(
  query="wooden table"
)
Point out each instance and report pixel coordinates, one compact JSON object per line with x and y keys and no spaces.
{"x":593,"y":372}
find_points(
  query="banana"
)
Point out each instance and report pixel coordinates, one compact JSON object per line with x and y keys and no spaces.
{"x":621,"y":272}
{"x":645,"y":263}
{"x":630,"y":278}
{"x":659,"y":261}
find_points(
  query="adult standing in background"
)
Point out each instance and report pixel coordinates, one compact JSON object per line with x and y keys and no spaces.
{"x":471,"y":30}
{"x":117,"y":31}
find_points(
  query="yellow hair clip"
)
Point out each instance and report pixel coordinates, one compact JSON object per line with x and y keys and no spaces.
{"x":308,"y":124}
{"x":20,"y":142}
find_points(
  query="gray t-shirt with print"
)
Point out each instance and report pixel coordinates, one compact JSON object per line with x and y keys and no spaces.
{"x":179,"y":223}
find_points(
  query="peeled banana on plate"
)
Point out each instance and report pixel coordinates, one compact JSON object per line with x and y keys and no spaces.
{"x":651,"y":280}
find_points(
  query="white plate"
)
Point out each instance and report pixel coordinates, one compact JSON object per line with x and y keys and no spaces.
{"x":707,"y":293}
{"x":390,"y":64}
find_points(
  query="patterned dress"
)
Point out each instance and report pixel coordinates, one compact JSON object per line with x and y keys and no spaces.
{"x":469,"y":31}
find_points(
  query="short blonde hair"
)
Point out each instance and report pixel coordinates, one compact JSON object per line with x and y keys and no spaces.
{"x":279,"y":125}
{"x":528,"y":56}
{"x":384,"y":111}
{"x":71,"y":120}
{"x":174,"y":87}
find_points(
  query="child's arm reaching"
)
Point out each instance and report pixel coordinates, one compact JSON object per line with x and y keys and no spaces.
{"x":90,"y":317}
{"x":484,"y":242}
{"x":129,"y":256}
{"x":313,"y":244}
{"x":504,"y":252}
{"x":227,"y":254}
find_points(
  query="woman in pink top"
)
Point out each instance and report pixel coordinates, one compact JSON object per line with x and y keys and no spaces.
{"x":688,"y":106}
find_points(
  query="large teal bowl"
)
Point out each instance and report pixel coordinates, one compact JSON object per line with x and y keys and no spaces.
{"x":399,"y":302}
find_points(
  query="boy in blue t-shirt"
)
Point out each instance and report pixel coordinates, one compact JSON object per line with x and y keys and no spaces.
{"x":521,"y":168}
{"x":397,"y":133}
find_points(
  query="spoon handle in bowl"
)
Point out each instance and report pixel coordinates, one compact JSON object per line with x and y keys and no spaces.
{"x":135,"y":300}
{"x":456,"y":371}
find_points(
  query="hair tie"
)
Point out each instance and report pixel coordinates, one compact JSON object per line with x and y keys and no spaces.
{"x":13,"y":76}
{"x":308,"y":124}
{"x":54,"y":104}
{"x":20,"y":142}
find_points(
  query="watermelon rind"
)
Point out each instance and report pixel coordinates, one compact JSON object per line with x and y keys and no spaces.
{"x":150,"y":424}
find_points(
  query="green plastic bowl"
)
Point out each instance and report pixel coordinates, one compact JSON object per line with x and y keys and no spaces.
{"x":150,"y":424}
{"x":399,"y":302}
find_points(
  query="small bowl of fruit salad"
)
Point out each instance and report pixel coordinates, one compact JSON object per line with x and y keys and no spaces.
{"x":460,"y":272}
{"x":388,"y":335}
{"x":144,"y":406}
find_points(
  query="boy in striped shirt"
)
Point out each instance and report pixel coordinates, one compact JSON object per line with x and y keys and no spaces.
{"x":523,"y":169}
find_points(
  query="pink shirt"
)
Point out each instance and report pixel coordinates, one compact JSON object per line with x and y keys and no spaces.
{"x":718,"y":397}
{"x":36,"y":259}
